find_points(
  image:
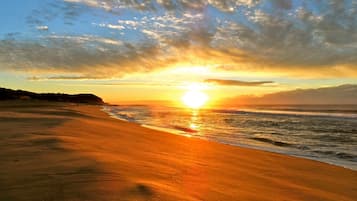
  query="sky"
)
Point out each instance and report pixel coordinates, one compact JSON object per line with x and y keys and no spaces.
{"x":137,"y":50}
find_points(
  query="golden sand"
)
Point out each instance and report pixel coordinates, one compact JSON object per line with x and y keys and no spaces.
{"x":53,"y":152}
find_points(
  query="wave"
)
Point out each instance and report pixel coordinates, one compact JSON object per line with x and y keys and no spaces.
{"x":273,"y":142}
{"x":324,"y":113}
{"x":125,"y":116}
{"x":343,"y":137}
{"x":185,"y":129}
{"x":340,"y":155}
{"x":280,"y":143}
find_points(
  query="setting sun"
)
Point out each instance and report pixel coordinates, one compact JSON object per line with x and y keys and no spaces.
{"x":194,"y":99}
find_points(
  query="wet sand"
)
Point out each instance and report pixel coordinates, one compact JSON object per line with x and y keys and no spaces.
{"x":51,"y":152}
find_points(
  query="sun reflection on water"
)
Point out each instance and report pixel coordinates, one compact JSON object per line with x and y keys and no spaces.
{"x":195,"y":121}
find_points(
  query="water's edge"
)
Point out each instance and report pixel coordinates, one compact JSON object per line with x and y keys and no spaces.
{"x":184,"y":134}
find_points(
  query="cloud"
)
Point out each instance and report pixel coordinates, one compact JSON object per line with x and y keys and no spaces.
{"x":62,"y":77}
{"x":107,"y":5}
{"x":223,"y":5}
{"x":137,"y":83}
{"x":299,"y":39}
{"x":237,"y":82}
{"x":85,"y":55}
{"x":110,"y":26}
{"x":43,"y":28}
{"x":282,"y":4}
{"x":307,"y":38}
{"x":84,"y":39}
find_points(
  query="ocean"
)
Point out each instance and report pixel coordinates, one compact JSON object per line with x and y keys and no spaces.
{"x":323,"y":133}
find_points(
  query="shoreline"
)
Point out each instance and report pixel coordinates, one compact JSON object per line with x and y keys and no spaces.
{"x":174,"y":131}
{"x":78,"y":152}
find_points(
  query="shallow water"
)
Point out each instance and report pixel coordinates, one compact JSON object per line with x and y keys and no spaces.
{"x":323,"y":133}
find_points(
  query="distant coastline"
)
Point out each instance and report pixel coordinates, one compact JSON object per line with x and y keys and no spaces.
{"x":336,"y":95}
{"x":9,"y":94}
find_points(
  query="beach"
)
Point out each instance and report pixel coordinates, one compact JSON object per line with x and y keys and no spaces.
{"x":57,"y":151}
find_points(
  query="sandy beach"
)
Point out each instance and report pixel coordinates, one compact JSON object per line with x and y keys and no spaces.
{"x":53,"y":152}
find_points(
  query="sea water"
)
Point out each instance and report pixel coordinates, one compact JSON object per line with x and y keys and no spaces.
{"x":323,"y":133}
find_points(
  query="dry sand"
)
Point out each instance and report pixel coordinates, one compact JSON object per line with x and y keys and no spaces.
{"x":51,"y":152}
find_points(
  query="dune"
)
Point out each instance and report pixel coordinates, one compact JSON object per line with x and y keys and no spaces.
{"x":55,"y":151}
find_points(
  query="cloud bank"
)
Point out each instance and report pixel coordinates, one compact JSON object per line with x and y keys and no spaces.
{"x":237,"y":82}
{"x":317,"y":38}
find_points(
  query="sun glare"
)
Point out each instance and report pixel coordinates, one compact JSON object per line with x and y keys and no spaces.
{"x":194,"y":98}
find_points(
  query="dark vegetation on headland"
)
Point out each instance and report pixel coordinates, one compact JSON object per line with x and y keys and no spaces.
{"x":9,"y":94}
